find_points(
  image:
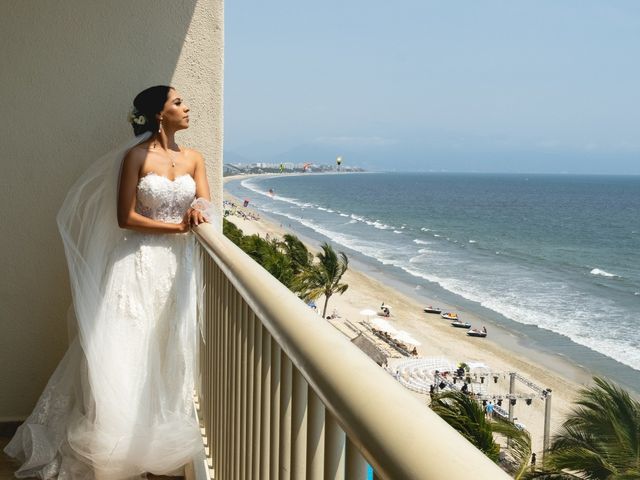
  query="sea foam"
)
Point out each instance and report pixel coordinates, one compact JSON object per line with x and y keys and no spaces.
{"x":602,"y":273}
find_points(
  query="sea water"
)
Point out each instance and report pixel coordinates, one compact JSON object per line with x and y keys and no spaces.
{"x":556,"y":256}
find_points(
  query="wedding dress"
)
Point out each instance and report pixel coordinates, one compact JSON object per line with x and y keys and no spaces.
{"x":120,"y":403}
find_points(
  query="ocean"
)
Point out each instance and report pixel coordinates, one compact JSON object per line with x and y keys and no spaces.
{"x":553,"y":258}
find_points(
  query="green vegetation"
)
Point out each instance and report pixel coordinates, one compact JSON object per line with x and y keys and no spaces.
{"x":600,"y":439}
{"x":467,"y":416}
{"x":292,"y":264}
{"x":271,"y":254}
{"x":323,"y":277}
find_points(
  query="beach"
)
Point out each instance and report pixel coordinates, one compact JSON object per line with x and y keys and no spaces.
{"x":500,"y":351}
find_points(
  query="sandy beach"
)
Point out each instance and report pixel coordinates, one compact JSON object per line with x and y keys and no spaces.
{"x":438,"y":339}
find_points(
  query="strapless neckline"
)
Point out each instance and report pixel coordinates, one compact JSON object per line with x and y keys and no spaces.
{"x":154,"y":174}
{"x":165,"y":199}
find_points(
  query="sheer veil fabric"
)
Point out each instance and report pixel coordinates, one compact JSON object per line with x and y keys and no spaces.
{"x":119,"y":404}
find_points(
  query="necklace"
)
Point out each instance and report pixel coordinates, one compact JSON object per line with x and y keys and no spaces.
{"x":169,"y":154}
{"x":172,"y":158}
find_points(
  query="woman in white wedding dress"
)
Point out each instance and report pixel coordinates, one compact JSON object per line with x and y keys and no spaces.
{"x":120,"y":403}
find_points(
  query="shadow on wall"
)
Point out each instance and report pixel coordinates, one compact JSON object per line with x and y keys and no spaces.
{"x":70,"y":71}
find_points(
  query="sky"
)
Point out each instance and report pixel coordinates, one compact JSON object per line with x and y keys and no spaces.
{"x":417,"y":85}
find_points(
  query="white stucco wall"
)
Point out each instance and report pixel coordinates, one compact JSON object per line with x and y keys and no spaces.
{"x":69,"y":73}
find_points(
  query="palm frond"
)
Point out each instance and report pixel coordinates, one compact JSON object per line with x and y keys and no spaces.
{"x":467,"y":417}
{"x":519,"y":442}
{"x":601,"y":436}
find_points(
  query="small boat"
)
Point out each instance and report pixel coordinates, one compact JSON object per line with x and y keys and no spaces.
{"x":449,"y":316}
{"x":475,"y":332}
{"x":459,"y":324}
{"x":431,"y":309}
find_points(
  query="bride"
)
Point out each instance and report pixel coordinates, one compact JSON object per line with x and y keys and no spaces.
{"x":119,"y":404}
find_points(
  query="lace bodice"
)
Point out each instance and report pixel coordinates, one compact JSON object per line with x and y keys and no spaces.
{"x":163,"y":199}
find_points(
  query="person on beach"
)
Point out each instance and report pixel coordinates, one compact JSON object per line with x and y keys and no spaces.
{"x":489,"y":410}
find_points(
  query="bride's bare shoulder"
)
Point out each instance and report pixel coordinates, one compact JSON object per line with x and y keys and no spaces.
{"x":134,"y":159}
{"x":193,"y":154}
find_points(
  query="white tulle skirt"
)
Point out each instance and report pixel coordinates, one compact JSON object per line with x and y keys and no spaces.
{"x":120,"y":403}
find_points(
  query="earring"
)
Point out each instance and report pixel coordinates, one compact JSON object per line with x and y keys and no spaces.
{"x":160,"y":125}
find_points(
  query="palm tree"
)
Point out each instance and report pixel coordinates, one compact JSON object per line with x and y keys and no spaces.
{"x":297,"y":252}
{"x":267,"y":253}
{"x":323,"y":277}
{"x":465,"y":415}
{"x":599,"y":440}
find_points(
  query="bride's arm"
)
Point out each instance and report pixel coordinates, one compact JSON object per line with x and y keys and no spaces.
{"x":127,"y":216}
{"x":200,"y":176}
{"x":202,"y":186}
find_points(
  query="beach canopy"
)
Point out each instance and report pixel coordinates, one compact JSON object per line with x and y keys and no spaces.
{"x":478,"y":366}
{"x":367,"y":312}
{"x":405,"y":337}
{"x":384,"y":325}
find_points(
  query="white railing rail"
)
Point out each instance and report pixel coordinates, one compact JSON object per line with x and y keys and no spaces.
{"x":285,"y":396}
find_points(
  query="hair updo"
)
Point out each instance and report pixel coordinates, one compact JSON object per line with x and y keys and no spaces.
{"x":147,"y":104}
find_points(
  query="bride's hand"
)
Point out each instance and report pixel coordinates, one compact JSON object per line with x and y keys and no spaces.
{"x":195,"y":217}
{"x":184,"y":226}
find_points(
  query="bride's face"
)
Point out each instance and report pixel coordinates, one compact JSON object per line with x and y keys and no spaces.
{"x":175,"y":114}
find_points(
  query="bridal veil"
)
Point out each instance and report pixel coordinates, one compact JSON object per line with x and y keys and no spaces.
{"x":120,"y":402}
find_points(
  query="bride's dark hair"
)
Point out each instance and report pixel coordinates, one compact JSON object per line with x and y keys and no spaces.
{"x":148,"y":103}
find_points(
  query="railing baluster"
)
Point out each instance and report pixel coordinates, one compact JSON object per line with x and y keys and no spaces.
{"x":274,"y":428}
{"x":298,"y":425}
{"x":243,"y":387}
{"x":257,"y":396}
{"x":218,"y":373}
{"x":265,"y":406}
{"x":233,"y":372}
{"x":285,"y":418}
{"x":356,"y":464}
{"x":237,"y":380}
{"x":315,"y":438}
{"x":250,"y":394}
{"x":334,"y":450}
{"x":209,"y":395}
{"x":226,"y":390}
{"x":213,"y":340}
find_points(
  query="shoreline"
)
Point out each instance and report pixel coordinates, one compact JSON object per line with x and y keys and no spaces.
{"x":503,"y":351}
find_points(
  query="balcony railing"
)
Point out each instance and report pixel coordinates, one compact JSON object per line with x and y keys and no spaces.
{"x":284,"y":395}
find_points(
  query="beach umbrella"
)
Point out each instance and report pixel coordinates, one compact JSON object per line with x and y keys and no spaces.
{"x":405,"y":337}
{"x":478,"y":367}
